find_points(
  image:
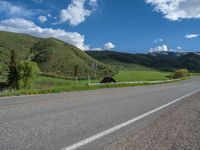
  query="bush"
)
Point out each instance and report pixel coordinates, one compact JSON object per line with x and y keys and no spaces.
{"x":28,"y":72}
{"x":181,"y":73}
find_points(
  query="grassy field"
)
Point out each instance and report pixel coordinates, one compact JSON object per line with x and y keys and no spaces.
{"x":46,"y":85}
{"x":132,"y":67}
{"x":54,"y":85}
{"x":129,"y":76}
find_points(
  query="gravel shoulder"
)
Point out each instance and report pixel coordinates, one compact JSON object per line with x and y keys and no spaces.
{"x":177,"y":129}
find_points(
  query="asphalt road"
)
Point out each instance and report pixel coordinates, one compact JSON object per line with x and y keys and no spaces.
{"x":176,"y":129}
{"x":58,"y":121}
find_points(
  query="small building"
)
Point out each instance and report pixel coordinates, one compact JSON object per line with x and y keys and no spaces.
{"x":108,"y":80}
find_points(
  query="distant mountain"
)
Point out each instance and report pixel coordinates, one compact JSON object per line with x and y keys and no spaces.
{"x":53,"y":56}
{"x":171,"y":53}
{"x":168,"y":61}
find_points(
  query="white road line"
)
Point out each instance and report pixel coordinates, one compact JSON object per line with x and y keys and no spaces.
{"x":109,"y":131}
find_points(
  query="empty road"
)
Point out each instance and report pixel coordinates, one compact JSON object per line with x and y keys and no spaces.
{"x":88,"y":119}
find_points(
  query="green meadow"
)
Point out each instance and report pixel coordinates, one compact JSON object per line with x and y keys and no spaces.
{"x":46,"y":85}
{"x":129,"y":76}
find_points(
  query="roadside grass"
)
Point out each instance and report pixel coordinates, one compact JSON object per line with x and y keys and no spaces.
{"x":45,"y":85}
{"x":67,"y":89}
{"x":130,"y":76}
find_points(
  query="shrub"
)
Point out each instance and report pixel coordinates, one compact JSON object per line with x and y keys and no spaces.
{"x":181,"y":73}
{"x":28,"y":71}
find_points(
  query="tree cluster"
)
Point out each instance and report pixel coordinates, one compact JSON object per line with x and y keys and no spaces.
{"x":21,"y":75}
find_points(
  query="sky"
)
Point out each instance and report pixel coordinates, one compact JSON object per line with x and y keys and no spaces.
{"x":135,"y":26}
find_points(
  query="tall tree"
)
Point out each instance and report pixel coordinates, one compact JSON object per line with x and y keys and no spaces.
{"x":13,"y":76}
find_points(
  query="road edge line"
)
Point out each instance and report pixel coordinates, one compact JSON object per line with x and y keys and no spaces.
{"x":117,"y":127}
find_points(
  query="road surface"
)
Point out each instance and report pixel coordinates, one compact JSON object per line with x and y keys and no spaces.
{"x":176,"y":129}
{"x":88,"y":119}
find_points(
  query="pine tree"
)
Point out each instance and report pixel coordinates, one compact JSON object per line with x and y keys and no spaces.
{"x":13,"y":77}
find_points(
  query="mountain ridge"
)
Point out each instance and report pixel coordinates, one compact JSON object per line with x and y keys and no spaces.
{"x":166,"y":61}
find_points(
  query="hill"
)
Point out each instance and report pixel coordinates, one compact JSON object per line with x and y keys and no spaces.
{"x":122,"y":61}
{"x":166,"y":61}
{"x":53,"y":56}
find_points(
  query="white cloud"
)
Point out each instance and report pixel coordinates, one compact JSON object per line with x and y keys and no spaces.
{"x":96,"y":49}
{"x":191,"y":36}
{"x":42,"y":19}
{"x":177,"y":9}
{"x":162,"y":48}
{"x":108,"y":46}
{"x":76,"y":12}
{"x":14,"y":10}
{"x":179,"y":48}
{"x":20,"y":25}
{"x":158,"y":40}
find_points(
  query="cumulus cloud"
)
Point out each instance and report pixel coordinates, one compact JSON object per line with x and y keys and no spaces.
{"x":42,"y":19}
{"x":177,"y":9}
{"x":76,"y":12}
{"x":162,"y":48}
{"x":13,"y":10}
{"x":179,"y":48}
{"x":158,"y":40}
{"x":108,"y":46}
{"x":20,"y":25}
{"x":96,"y":49}
{"x":49,"y":15}
{"x":191,"y":36}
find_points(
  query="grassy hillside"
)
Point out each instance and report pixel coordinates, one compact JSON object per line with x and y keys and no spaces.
{"x":20,"y":42}
{"x":190,"y":61}
{"x":53,"y":56}
{"x":122,"y":61}
{"x":169,"y":61}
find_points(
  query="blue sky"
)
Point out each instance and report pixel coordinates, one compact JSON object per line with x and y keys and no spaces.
{"x":135,"y":26}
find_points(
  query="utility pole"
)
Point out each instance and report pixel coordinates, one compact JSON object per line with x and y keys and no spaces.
{"x":76,"y":73}
{"x":89,"y":80}
{"x":94,"y":67}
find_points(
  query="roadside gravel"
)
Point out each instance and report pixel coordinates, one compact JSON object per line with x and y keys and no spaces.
{"x":177,"y":129}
